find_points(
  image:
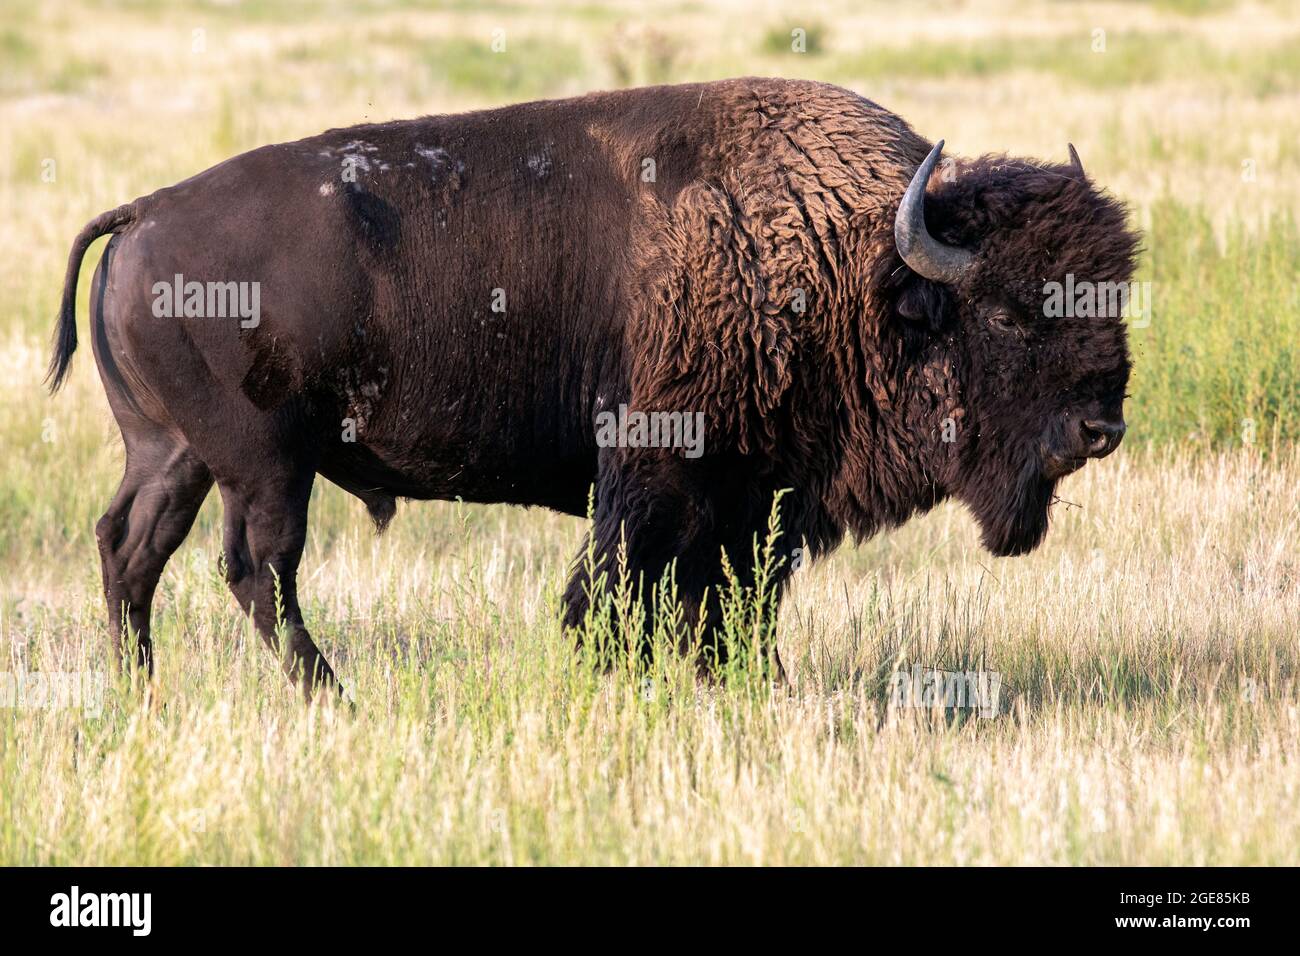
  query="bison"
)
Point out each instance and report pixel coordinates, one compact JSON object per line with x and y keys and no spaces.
{"x":455,"y":306}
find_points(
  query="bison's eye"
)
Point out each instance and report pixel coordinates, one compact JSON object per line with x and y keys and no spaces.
{"x":1002,"y":319}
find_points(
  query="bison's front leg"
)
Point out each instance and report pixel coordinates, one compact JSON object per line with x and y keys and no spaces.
{"x":661,"y":509}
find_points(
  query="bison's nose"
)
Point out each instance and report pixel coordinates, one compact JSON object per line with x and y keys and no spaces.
{"x":1102,"y":436}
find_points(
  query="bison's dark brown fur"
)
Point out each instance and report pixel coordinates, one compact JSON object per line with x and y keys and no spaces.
{"x":754,"y":278}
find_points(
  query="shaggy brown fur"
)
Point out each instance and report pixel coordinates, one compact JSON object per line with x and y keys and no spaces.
{"x":754,"y":278}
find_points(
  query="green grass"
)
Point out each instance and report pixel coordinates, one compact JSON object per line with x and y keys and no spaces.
{"x":528,"y":67}
{"x":1126,"y":59}
{"x":781,"y":40}
{"x":1221,"y":356}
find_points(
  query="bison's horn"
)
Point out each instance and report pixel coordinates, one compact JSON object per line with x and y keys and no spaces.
{"x":925,"y":255}
{"x":1075,"y":161}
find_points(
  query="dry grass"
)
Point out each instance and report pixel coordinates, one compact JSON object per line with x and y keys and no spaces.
{"x":1150,"y":712}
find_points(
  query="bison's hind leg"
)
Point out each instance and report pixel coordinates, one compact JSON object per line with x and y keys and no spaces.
{"x":149,"y":517}
{"x":265,"y":530}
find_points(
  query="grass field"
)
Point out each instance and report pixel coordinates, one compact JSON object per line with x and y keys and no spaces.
{"x":1149,"y":652}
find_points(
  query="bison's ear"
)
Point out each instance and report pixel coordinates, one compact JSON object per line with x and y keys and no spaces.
{"x":925,"y":303}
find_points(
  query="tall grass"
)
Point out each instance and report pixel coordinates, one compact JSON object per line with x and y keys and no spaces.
{"x":1149,"y":712}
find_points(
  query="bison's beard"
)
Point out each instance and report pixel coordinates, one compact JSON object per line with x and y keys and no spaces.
{"x":1013,"y":515}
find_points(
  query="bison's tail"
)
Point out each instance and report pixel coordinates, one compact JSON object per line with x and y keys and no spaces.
{"x":65,"y":334}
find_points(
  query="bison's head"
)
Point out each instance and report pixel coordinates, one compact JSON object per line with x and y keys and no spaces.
{"x":1019,"y":272}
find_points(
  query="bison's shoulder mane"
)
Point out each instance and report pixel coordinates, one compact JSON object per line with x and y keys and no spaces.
{"x":761,"y":297}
